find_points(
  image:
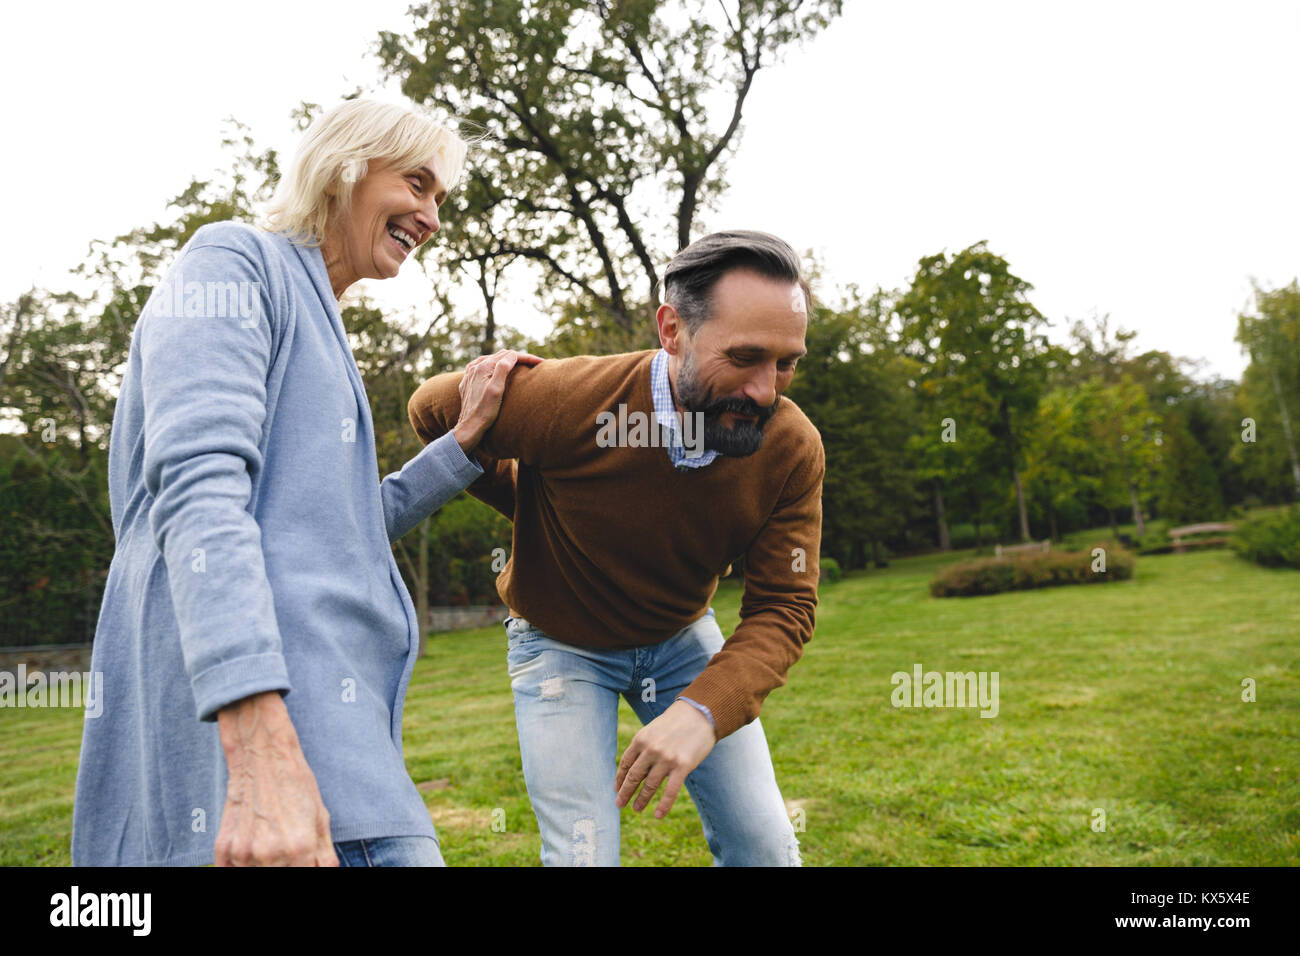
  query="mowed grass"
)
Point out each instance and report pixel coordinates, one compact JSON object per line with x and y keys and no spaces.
{"x":1124,"y":698}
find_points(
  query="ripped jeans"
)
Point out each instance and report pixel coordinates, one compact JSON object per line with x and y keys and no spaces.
{"x":566,"y":711}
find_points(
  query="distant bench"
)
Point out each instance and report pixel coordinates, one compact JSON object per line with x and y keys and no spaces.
{"x":1176,"y":535}
{"x":1042,"y":546}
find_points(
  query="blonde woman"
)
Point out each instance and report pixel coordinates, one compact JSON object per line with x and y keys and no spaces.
{"x":256,"y":639}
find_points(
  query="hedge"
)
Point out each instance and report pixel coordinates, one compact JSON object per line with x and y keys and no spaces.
{"x":1033,"y":570}
{"x":1271,"y":539}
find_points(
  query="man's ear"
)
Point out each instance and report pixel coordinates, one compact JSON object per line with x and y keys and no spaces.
{"x":672,"y":330}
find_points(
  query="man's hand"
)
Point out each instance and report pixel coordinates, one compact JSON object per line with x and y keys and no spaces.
{"x":273,"y":814}
{"x":481,"y":389}
{"x":667,"y":748}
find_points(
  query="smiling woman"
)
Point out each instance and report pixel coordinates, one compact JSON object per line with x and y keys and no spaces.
{"x":256,"y":639}
{"x":366,"y":186}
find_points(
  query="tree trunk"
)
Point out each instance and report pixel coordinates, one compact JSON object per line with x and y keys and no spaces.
{"x":686,"y":210}
{"x":1015,"y":473}
{"x":1137,"y":510}
{"x":422,"y":585}
{"x":1286,"y":430}
{"x":876,"y":557}
{"x":945,"y":541}
{"x":489,"y":305}
{"x":1114,"y":528}
{"x":1020,"y":502}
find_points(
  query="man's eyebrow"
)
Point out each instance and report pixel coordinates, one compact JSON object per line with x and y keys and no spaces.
{"x":747,"y":350}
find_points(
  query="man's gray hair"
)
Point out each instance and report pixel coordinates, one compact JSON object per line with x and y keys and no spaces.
{"x":691,"y":276}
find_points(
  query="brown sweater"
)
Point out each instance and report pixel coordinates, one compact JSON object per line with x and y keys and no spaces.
{"x":615,"y":548}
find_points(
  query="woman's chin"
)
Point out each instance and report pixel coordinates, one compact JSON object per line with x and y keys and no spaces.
{"x":387,"y":268}
{"x":388,"y":263}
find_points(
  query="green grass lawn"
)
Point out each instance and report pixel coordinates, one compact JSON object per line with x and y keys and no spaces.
{"x":1121,"y":697}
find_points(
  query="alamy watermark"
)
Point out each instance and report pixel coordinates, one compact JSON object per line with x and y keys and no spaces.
{"x":75,"y":908}
{"x":176,"y":298}
{"x":636,"y":429}
{"x":946,"y":689}
{"x":53,"y":689}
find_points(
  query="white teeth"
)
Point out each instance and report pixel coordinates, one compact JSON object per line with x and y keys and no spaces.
{"x":405,"y":238}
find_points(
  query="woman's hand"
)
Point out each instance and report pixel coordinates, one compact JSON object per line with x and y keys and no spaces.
{"x":273,"y":814}
{"x":481,"y":390}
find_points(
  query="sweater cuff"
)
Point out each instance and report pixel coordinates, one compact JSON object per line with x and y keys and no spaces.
{"x":702,"y":709}
{"x":236,"y":679}
{"x":724,"y":699}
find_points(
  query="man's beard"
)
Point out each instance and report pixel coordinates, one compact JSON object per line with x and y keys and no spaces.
{"x":740,"y":441}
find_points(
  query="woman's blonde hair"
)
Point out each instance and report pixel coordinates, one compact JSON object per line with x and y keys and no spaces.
{"x":336,"y":152}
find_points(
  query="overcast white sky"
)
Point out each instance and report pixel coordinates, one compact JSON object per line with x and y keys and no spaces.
{"x":1135,"y":158}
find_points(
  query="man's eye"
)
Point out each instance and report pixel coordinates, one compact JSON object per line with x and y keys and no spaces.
{"x":786,"y":366}
{"x":415,"y":181}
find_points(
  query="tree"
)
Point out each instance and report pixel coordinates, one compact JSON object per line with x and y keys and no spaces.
{"x":1271,"y":336}
{"x":1213,"y":418}
{"x":589,"y":112}
{"x":1126,"y":437}
{"x":1096,"y":352}
{"x":952,"y":452}
{"x":1189,"y":488}
{"x":969,"y":319}
{"x":855,"y":390}
{"x":1060,"y":454}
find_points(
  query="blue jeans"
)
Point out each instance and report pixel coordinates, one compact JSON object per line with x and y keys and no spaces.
{"x":390,"y":851}
{"x":566,"y":711}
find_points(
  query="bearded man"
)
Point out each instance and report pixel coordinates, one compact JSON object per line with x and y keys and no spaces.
{"x":618,"y":546}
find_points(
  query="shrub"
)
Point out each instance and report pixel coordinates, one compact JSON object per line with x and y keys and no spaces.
{"x":1155,"y":541}
{"x":1034,"y":570}
{"x":830,"y":569}
{"x":1271,"y":538}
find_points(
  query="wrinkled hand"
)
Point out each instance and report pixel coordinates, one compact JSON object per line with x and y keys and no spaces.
{"x":481,"y":389}
{"x":273,"y":815}
{"x":667,"y":748}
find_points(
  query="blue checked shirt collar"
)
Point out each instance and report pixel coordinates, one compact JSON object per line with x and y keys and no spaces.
{"x":664,"y":413}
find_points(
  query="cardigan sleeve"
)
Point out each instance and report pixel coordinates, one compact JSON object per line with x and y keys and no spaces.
{"x":203,"y":375}
{"x":522,"y":430}
{"x":427,"y":482}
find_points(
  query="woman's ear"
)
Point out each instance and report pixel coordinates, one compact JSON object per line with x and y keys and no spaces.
{"x":349,"y":172}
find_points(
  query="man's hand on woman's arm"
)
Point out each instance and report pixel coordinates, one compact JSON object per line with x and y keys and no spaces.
{"x":273,"y":815}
